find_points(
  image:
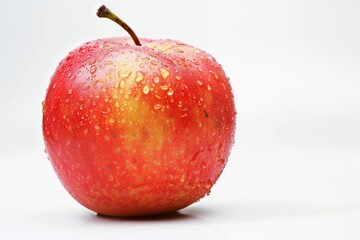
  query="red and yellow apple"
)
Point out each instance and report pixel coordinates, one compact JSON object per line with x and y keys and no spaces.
{"x":138,"y":130}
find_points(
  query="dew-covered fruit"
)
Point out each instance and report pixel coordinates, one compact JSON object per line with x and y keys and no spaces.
{"x":136,"y":130}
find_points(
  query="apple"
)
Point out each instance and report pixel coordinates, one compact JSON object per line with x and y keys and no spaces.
{"x":137,"y":127}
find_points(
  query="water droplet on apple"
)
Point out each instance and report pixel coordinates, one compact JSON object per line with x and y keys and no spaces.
{"x":97,"y":129}
{"x":106,"y":99}
{"x":70,"y":91}
{"x":156,"y":79}
{"x":208,"y":87}
{"x":182,"y":58}
{"x":157,"y":106}
{"x":196,"y":63}
{"x":164,"y":87}
{"x":179,"y":50}
{"x":117,"y":104}
{"x":92,"y":69}
{"x":95,"y":82}
{"x":164,"y":73}
{"x":117,"y":84}
{"x":214,"y":74}
{"x":180,"y":104}
{"x":139,"y":76}
{"x":111,"y":121}
{"x":54,"y":86}
{"x":146,"y":89}
{"x":92,"y":61}
{"x":122,"y":84}
{"x":170,"y":92}
{"x":81,"y":106}
{"x":178,"y":77}
{"x":199,"y":82}
{"x":124,"y":73}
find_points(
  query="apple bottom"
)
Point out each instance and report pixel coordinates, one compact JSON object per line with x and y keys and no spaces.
{"x":159,"y":192}
{"x":142,"y":201}
{"x":142,"y":180}
{"x":151,"y":205}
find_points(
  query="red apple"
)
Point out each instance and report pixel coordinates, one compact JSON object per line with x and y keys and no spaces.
{"x":135,"y":130}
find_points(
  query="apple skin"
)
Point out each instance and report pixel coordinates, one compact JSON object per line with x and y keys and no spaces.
{"x":138,"y":130}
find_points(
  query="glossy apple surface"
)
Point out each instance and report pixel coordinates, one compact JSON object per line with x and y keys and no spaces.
{"x":138,"y":130}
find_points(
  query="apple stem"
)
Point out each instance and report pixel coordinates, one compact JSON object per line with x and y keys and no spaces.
{"x":104,"y":12}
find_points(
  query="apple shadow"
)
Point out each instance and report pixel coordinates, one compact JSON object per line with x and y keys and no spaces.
{"x":231,"y":211}
{"x":175,"y":216}
{"x":180,"y":224}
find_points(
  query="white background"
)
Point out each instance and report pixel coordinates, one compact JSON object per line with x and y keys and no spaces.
{"x":294,"y":171}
